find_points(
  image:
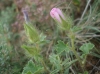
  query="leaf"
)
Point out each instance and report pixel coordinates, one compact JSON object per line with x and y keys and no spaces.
{"x":31,"y":50}
{"x":32,"y":33}
{"x":43,"y":40}
{"x":55,"y":60}
{"x":69,"y":63}
{"x":66,"y":71}
{"x":60,"y":47}
{"x":42,"y":36}
{"x":86,"y":47}
{"x":29,"y":72}
{"x":76,"y":29}
{"x":31,"y":68}
{"x":65,"y":61}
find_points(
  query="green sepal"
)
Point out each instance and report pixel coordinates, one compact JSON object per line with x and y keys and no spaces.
{"x":75,"y":29}
{"x":31,"y":50}
{"x":32,"y":33}
{"x":66,"y":24}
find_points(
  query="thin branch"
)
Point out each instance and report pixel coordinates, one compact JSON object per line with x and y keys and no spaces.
{"x":84,"y":11}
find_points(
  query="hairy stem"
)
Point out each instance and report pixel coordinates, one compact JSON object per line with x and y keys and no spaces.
{"x":45,"y":67}
{"x":75,"y":52}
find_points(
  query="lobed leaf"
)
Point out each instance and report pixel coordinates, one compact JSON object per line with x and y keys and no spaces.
{"x":86,"y":47}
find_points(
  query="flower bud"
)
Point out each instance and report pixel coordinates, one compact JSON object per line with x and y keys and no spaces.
{"x":64,"y":23}
{"x":57,"y":14}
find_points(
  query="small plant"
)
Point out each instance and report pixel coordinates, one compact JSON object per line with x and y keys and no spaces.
{"x":62,"y":56}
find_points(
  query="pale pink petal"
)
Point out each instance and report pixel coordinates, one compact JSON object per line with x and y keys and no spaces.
{"x":60,"y":13}
{"x":57,"y":17}
{"x":52,"y":14}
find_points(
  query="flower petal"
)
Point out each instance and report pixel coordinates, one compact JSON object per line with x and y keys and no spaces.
{"x":60,"y":13}
{"x":55,"y":15}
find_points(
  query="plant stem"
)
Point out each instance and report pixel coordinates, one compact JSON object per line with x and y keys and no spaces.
{"x":75,"y":53}
{"x":44,"y":65}
{"x":41,"y":59}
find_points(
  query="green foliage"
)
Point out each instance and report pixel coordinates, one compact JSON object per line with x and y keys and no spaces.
{"x":66,"y":24}
{"x":75,"y":29}
{"x":55,"y":60}
{"x":32,"y":33}
{"x":63,"y":55}
{"x":42,"y":39}
{"x":32,"y":50}
{"x":31,"y":68}
{"x":61,"y":47}
{"x":7,"y":16}
{"x":58,"y":64}
{"x":11,"y":61}
{"x":58,"y":57}
{"x":85,"y":48}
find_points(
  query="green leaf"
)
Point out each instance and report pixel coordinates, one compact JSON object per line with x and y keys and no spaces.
{"x":86,"y":47}
{"x":29,"y":72}
{"x":31,"y":68}
{"x":66,"y":71}
{"x":32,"y":33}
{"x":76,"y":29}
{"x":31,"y":50}
{"x":60,"y":47}
{"x":55,"y":60}
{"x":42,"y":37}
{"x":68,"y":63}
{"x":65,"y":61}
{"x":43,"y":40}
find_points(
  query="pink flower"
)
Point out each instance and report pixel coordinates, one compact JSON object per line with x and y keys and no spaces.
{"x":57,"y":14}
